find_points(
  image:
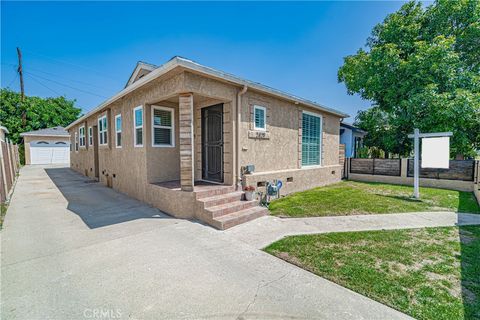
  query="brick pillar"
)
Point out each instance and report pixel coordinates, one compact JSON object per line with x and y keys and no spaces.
{"x":186,"y":141}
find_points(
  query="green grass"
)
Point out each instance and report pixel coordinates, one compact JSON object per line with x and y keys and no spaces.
{"x":431,"y":273}
{"x":350,"y":198}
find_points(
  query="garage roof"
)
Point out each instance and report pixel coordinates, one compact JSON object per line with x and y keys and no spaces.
{"x":48,"y":132}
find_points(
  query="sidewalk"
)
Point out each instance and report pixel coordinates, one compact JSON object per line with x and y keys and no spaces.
{"x":261,"y":232}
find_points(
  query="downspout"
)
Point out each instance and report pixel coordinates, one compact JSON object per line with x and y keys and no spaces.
{"x":237,"y":135}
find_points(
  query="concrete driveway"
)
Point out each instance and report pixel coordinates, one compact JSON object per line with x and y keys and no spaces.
{"x":72,"y":249}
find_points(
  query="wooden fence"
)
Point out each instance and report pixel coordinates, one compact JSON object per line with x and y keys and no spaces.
{"x":383,"y":167}
{"x":9,"y":166}
{"x":463,"y":170}
{"x":341,"y":158}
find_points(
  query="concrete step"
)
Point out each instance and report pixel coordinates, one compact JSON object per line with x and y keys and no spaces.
{"x":221,"y":199}
{"x":214,"y":191}
{"x":231,"y":207}
{"x":239,"y":217}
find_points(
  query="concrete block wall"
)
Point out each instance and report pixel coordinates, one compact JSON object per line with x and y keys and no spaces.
{"x":403,"y":179}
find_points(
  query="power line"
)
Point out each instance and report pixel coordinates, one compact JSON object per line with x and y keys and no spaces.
{"x":65,"y":85}
{"x":44,"y":85}
{"x":72,"y":80}
{"x":72,"y":64}
{"x":14,"y":78}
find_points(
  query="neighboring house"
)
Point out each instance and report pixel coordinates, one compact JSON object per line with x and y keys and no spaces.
{"x":352,"y":138}
{"x":46,"y":146}
{"x":180,"y":136}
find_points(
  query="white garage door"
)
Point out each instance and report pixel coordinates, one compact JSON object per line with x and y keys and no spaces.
{"x":46,"y":152}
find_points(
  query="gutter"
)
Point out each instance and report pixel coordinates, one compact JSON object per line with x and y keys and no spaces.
{"x":237,"y":136}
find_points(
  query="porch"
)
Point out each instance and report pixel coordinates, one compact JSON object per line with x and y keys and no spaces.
{"x":200,"y":150}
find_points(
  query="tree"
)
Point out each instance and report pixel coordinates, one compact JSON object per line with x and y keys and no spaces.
{"x":40,"y":112}
{"x":421,"y":70}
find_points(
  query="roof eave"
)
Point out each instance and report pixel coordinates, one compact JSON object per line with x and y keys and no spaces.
{"x":180,"y":62}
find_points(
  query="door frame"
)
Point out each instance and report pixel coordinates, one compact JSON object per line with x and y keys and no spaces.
{"x":203,"y":136}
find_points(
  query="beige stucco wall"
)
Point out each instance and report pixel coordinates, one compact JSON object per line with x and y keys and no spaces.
{"x":28,"y":139}
{"x":131,"y":169}
{"x":126,"y":167}
{"x":280,"y":149}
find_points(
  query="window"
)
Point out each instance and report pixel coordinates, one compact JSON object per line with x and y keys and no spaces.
{"x":311,"y":139}
{"x":76,"y":141}
{"x":138,"y":126}
{"x":118,"y":130}
{"x":81,"y":133}
{"x":102,"y":131}
{"x":90,"y":136}
{"x":162,"y":127}
{"x":260,"y":114}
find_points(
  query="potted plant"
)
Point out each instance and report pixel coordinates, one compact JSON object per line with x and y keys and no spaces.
{"x":249,"y":192}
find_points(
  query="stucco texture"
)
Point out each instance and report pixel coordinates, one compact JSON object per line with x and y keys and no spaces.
{"x":134,"y":170}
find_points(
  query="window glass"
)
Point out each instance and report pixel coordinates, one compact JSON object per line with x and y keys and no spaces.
{"x":118,"y":130}
{"x":311,"y":139}
{"x":138,"y":117}
{"x":138,"y":122}
{"x":162,"y":127}
{"x":102,"y":130}
{"x":260,"y":115}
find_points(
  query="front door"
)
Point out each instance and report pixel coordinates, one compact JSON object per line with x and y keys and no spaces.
{"x":212,"y":143}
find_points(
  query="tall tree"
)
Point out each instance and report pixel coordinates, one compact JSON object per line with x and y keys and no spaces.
{"x":421,"y":69}
{"x":40,"y":113}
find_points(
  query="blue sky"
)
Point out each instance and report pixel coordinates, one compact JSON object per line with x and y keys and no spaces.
{"x":86,"y":51}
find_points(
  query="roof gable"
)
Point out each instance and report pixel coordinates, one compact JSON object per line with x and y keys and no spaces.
{"x":141,"y":70}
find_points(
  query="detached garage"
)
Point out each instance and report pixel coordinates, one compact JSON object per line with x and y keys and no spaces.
{"x":47,"y":146}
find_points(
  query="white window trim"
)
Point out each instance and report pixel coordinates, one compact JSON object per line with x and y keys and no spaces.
{"x":255,"y":107}
{"x":80,"y":137}
{"x":100,"y":132}
{"x":172,"y":132}
{"x":135,"y":127}
{"x":76,"y":143}
{"x":118,"y":131}
{"x":90,"y":136}
{"x":310,"y":166}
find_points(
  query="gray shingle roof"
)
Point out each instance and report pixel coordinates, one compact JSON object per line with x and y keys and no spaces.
{"x":55,"y":131}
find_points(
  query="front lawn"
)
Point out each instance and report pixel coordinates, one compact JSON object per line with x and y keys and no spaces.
{"x":350,"y":198}
{"x":431,"y":273}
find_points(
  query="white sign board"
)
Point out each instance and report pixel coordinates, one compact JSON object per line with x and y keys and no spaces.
{"x":435,"y":152}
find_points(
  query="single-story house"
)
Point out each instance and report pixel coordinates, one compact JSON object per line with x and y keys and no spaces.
{"x":47,"y":146}
{"x":185,"y":138}
{"x":352,"y":138}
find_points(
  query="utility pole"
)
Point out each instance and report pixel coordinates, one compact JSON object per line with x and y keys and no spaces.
{"x":22,"y":89}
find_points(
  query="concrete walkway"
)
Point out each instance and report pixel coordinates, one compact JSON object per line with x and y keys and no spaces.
{"x":72,"y":249}
{"x":266,"y":230}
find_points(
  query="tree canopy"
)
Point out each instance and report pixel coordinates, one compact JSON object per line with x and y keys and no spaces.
{"x":420,"y":69}
{"x":40,"y":113}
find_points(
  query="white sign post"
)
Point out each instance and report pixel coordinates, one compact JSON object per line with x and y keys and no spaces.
{"x":416,"y":151}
